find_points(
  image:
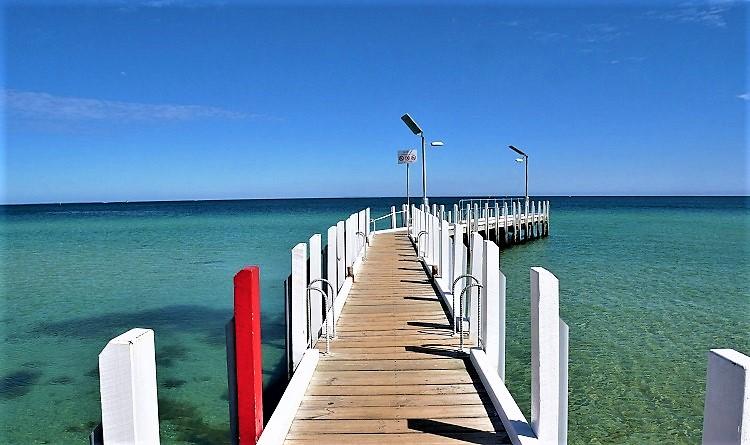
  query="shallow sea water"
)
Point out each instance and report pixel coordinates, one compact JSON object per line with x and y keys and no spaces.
{"x":648,"y":285}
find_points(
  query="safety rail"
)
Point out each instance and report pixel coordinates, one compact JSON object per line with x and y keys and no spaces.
{"x":393,"y":217}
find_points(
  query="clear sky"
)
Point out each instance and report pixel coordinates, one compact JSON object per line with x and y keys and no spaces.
{"x":187,"y":100}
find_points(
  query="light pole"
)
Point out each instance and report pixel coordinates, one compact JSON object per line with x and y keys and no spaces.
{"x":418,"y":131}
{"x":525,"y":160}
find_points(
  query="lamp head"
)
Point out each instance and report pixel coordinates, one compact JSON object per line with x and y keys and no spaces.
{"x":411,"y":124}
{"x":436,"y":143}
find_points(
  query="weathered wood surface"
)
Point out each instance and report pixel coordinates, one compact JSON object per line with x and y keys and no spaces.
{"x":394,"y":375}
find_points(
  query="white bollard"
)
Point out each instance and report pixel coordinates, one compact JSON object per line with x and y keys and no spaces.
{"x":493,"y":309}
{"x":726,"y":413}
{"x":127,"y":385}
{"x":477,"y":264}
{"x":298,"y":306}
{"x":316,"y":298}
{"x":340,"y":255}
{"x":331,"y":267}
{"x":545,"y":355}
{"x":393,"y":217}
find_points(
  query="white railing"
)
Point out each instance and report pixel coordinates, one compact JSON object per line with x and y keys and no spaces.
{"x":473,"y":272}
{"x":315,"y":300}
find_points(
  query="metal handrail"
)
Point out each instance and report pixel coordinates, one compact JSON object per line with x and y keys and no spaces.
{"x":419,"y":235}
{"x":364,"y":243}
{"x":327,"y":310}
{"x":461,"y":320}
{"x":453,"y":292}
{"x":374,"y":220}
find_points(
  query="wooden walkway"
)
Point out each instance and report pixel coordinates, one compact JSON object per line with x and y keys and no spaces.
{"x":394,"y":375}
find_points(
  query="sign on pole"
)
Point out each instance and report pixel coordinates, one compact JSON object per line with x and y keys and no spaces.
{"x":407,"y":156}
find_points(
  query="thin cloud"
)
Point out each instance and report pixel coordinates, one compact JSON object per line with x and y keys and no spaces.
{"x":544,"y":36}
{"x":745,"y":96}
{"x":707,"y":15}
{"x":600,"y":33}
{"x":37,"y":105}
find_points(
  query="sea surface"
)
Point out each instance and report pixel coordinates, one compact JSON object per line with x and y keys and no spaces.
{"x":648,"y":286}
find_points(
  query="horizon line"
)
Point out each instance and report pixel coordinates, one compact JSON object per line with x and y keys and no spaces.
{"x":414,"y":199}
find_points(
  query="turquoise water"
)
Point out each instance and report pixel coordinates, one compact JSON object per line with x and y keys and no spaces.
{"x":648,"y":285}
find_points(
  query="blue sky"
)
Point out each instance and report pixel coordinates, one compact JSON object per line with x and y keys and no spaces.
{"x":184,"y":100}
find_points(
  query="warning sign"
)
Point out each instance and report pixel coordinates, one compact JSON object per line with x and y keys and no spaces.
{"x":407,"y":156}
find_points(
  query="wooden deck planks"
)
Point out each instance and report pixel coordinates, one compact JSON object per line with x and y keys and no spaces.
{"x":394,"y":375}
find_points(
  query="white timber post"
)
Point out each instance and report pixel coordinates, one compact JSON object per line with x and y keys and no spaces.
{"x":545,"y":355}
{"x":505,"y":222}
{"x":563,"y":416}
{"x":298,"y":305}
{"x":127,"y":385}
{"x":497,"y":223}
{"x":445,"y":253}
{"x":367,"y":224}
{"x":487,"y":219}
{"x":316,"y":298}
{"x":726,"y":413}
{"x":361,"y":227}
{"x":331,"y":267}
{"x":456,"y":217}
{"x":459,"y":267}
{"x":393,"y":217}
{"x":436,"y":241}
{"x":351,"y":229}
{"x":476,"y":217}
{"x":441,"y":212}
{"x":477,"y":260}
{"x":493,"y":304}
{"x":434,"y":209}
{"x":340,"y":254}
{"x":532,"y":223}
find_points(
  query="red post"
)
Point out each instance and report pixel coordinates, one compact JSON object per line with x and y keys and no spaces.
{"x":248,"y":354}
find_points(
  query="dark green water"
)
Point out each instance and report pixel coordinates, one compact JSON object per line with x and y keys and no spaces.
{"x":648,"y":285}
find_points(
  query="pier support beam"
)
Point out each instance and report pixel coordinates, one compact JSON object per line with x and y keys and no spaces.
{"x":726,"y":414}
{"x":127,"y":384}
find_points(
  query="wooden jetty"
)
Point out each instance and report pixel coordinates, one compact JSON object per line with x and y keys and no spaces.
{"x":397,"y":336}
{"x":393,"y":371}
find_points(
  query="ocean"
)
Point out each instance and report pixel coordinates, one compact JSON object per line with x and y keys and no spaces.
{"x":648,"y":286}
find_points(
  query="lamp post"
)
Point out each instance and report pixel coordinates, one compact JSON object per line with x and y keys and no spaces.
{"x":525,"y":160}
{"x":418,"y":131}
